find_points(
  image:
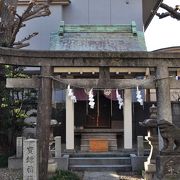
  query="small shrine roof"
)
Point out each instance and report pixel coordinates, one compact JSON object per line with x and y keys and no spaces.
{"x":97,"y":38}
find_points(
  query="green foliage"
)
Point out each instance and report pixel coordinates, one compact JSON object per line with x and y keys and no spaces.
{"x":14,"y":103}
{"x":3,"y":161}
{"x":64,"y":175}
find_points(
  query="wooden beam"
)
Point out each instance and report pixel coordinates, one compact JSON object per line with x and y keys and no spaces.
{"x":88,"y":59}
{"x":92,"y":83}
{"x":111,"y":84}
{"x":118,"y":83}
{"x":22,"y":83}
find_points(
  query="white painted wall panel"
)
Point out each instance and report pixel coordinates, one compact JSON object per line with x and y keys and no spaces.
{"x":99,"y":11}
{"x":124,"y":12}
{"x":104,"y":12}
{"x":76,"y":12}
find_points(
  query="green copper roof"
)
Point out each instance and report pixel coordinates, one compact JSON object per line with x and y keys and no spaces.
{"x":97,"y":38}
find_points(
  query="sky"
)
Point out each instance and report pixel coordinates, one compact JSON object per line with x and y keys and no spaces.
{"x":165,"y":32}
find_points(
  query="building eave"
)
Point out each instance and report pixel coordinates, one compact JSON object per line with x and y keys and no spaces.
{"x":53,"y":2}
{"x":151,"y":14}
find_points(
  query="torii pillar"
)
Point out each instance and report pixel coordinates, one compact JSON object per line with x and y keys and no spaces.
{"x":43,"y":120}
{"x":163,"y":93}
{"x":163,"y":96}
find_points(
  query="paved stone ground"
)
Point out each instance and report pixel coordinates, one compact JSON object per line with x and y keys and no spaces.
{"x":6,"y":174}
{"x":110,"y":176}
{"x":100,"y":175}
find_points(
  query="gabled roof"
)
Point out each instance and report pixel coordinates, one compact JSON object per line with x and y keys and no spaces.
{"x":98,"y":38}
{"x":172,"y":49}
{"x":150,"y":8}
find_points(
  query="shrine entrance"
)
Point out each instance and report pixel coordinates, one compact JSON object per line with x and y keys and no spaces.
{"x":162,"y":63}
{"x":100,"y":116}
{"x":106,"y":113}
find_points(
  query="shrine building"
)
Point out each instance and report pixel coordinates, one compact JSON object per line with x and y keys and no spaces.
{"x":89,"y":112}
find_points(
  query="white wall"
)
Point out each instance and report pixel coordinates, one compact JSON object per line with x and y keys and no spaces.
{"x":43,"y":25}
{"x":81,"y":12}
{"x":104,"y":12}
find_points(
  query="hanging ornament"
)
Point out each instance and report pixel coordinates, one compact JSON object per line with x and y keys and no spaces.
{"x":107,"y":92}
{"x":139,"y":96}
{"x":70,"y":94}
{"x":87,"y":90}
{"x":73,"y":98}
{"x":119,"y":98}
{"x":91,"y":99}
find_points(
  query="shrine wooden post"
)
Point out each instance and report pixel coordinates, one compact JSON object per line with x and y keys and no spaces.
{"x":43,"y":120}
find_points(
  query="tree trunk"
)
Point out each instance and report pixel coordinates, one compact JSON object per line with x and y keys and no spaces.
{"x":7,"y":22}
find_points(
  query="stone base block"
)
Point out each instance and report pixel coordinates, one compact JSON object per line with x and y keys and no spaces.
{"x":148,"y":167}
{"x":168,"y":167}
{"x":149,"y":176}
{"x":137,"y":162}
{"x":15,"y":163}
{"x":59,"y":163}
{"x":52,"y":166}
{"x":63,"y":162}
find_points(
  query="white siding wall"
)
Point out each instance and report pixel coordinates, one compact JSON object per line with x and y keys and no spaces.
{"x":104,"y":12}
{"x":82,"y":12}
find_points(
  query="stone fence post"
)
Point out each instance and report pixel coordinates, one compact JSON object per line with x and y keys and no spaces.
{"x":19,"y":147}
{"x":57,"y":146}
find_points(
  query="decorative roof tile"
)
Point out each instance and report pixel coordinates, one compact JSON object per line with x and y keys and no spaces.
{"x":98,"y":38}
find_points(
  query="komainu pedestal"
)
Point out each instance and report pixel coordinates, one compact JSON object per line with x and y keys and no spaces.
{"x":168,"y":167}
{"x":168,"y":162}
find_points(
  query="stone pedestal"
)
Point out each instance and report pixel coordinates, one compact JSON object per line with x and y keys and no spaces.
{"x":150,"y":170}
{"x":30,"y":161}
{"x":168,"y":167}
{"x":150,"y":164}
{"x":52,"y":166}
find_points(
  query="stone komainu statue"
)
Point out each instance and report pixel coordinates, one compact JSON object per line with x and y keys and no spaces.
{"x":171,"y":136}
{"x":169,"y":132}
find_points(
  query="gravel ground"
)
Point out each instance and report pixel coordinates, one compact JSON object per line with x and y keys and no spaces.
{"x":6,"y":174}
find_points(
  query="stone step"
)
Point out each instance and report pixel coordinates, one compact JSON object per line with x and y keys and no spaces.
{"x":104,"y":154}
{"x":110,"y":142}
{"x":100,"y":161}
{"x":110,"y":148}
{"x":98,"y":136}
{"x":109,"y":167}
{"x":98,"y":133}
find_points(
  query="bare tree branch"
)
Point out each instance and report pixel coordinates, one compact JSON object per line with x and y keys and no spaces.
{"x":38,"y":11}
{"x":173,"y":12}
{"x":32,"y":11}
{"x":21,"y":45}
{"x":26,"y":38}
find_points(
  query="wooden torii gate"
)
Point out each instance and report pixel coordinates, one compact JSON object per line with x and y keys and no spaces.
{"x":46,"y":60}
